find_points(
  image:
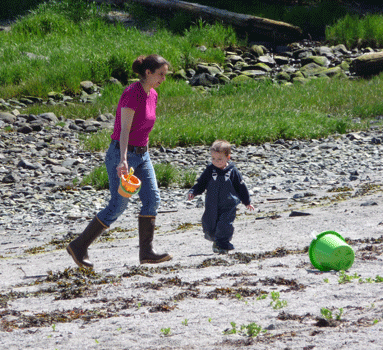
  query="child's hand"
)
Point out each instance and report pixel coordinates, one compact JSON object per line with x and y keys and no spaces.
{"x":250,"y":207}
{"x":190,"y":196}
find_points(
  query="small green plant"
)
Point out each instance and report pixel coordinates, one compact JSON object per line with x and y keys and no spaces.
{"x":339,"y":314}
{"x":54,"y":327}
{"x":326,"y":280}
{"x":166,"y":174}
{"x":185,"y":322}
{"x":326,"y":313}
{"x":239,"y":296}
{"x":138,"y":305}
{"x":367,"y":280}
{"x":8,"y":128}
{"x":233,"y":329}
{"x":276,"y":303}
{"x":378,"y":279}
{"x":165,"y":331}
{"x":252,"y":329}
{"x":275,"y":296}
{"x":188,"y":179}
{"x":344,"y":278}
{"x":98,"y":178}
{"x":75,"y":181}
{"x":262,"y":296}
{"x":375,"y":321}
{"x":209,"y":319}
{"x":279,"y":304}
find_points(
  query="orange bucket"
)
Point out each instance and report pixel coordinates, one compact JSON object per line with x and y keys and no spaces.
{"x":129,"y":185}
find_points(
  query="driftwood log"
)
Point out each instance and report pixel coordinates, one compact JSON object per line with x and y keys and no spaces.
{"x":368,"y":64}
{"x":256,"y":28}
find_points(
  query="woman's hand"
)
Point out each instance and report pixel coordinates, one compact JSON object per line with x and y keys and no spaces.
{"x":190,"y":196}
{"x":122,"y":168}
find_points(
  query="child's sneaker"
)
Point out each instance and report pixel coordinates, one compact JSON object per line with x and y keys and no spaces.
{"x":219,"y":250}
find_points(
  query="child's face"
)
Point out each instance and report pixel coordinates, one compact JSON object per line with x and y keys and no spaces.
{"x":219,"y":159}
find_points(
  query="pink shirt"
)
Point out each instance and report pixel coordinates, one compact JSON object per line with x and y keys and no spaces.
{"x":135,"y":97}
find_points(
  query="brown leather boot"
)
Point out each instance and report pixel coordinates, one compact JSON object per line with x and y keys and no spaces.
{"x":78,"y":248}
{"x":146,"y":231}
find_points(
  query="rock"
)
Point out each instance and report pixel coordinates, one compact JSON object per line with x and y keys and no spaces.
{"x":368,"y":64}
{"x":257,"y":50}
{"x":51,"y":117}
{"x":368,"y":204}
{"x":321,"y":61}
{"x":241,"y":79}
{"x":87,"y":86}
{"x":10,"y":178}
{"x":180,"y":74}
{"x":298,"y":213}
{"x":7,"y":117}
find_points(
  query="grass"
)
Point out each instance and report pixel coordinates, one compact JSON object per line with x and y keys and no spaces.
{"x":258,"y":112}
{"x":356,"y":31}
{"x":166,"y":174}
{"x":80,"y":46}
{"x":75,"y":43}
{"x":98,"y":178}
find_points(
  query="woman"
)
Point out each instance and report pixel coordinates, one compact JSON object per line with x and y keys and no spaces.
{"x":135,"y":117}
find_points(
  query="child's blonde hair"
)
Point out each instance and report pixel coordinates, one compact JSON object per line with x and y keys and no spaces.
{"x":221,"y":146}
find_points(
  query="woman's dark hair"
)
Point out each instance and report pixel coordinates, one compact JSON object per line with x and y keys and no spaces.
{"x":151,"y":62}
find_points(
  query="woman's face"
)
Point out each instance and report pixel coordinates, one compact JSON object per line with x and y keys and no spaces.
{"x":155,"y":79}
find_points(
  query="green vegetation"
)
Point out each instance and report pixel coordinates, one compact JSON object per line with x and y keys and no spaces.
{"x":166,"y":174}
{"x":99,"y":141}
{"x":327,"y":314}
{"x":356,"y":31}
{"x":98,"y":178}
{"x":251,"y":330}
{"x":165,"y":331}
{"x":344,"y":278}
{"x":73,"y":41}
{"x":276,"y":303}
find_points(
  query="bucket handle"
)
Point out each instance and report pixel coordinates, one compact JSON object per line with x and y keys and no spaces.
{"x":127,"y":178}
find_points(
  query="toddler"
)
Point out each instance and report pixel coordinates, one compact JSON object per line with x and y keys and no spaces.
{"x":225,"y":189}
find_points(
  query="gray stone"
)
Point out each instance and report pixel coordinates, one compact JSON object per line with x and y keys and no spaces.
{"x":7,"y":117}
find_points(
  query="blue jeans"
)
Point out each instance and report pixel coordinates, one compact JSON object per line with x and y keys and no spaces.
{"x":143,"y":169}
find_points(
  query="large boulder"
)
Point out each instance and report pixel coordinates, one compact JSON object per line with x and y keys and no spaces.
{"x":368,"y":64}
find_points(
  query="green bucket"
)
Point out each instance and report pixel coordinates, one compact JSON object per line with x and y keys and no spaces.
{"x":329,"y":251}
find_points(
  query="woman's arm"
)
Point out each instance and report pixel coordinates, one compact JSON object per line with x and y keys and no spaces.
{"x":127,"y":115}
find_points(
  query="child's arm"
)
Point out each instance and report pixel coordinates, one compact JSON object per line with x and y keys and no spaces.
{"x":241,"y":188}
{"x":201,"y":184}
{"x":250,"y":207}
